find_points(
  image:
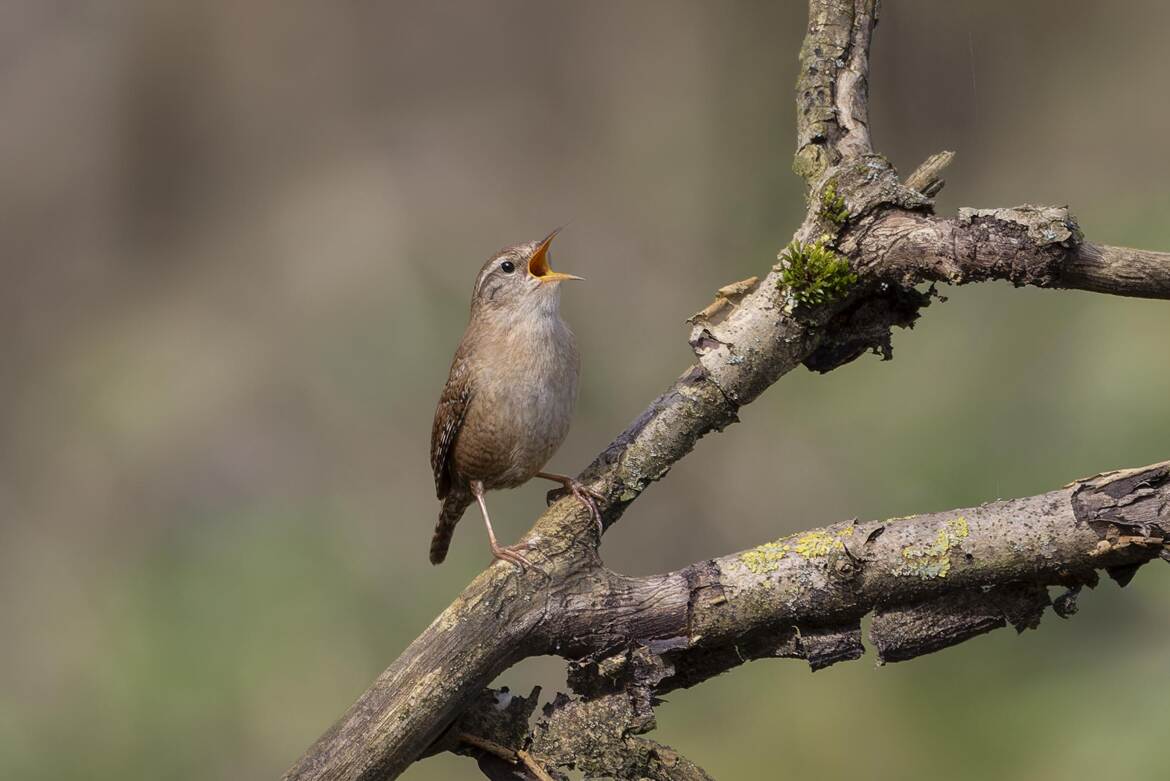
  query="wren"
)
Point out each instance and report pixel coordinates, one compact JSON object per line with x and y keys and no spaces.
{"x":510,"y":394}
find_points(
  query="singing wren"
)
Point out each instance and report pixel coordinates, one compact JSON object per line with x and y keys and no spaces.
{"x":510,"y":394}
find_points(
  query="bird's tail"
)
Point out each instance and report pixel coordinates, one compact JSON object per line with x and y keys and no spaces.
{"x":453,"y":508}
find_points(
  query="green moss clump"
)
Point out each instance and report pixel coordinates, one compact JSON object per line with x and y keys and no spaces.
{"x":814,"y":274}
{"x":833,"y":208}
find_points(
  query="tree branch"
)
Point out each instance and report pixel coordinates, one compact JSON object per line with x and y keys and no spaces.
{"x":1025,"y":245}
{"x":832,"y":90}
{"x":851,"y":275}
{"x":1120,"y":271}
{"x":927,"y":178}
{"x":931,"y":581}
{"x":805,"y":595}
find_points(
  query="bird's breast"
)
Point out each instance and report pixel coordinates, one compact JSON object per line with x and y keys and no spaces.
{"x":525,"y":392}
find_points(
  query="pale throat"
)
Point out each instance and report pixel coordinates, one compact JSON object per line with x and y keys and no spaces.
{"x":537,"y":312}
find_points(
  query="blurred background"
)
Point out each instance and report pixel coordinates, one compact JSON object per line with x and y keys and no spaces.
{"x":237,"y":244}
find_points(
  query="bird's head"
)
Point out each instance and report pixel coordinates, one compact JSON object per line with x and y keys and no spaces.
{"x":519,"y":278}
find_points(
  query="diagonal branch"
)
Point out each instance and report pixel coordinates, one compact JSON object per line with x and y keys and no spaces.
{"x":847,"y":279}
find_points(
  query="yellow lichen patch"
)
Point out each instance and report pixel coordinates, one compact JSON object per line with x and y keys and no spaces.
{"x":810,"y":545}
{"x":934,"y":560}
{"x":764,"y":558}
{"x":816,"y":544}
{"x":959,"y":528}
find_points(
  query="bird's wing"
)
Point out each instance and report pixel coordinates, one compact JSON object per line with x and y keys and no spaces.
{"x":448,"y":420}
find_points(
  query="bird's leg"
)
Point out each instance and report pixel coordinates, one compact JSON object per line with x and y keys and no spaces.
{"x":505,"y":552}
{"x":586,"y":495}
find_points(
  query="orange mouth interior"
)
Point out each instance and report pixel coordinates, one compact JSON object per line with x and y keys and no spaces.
{"x":538,"y":265}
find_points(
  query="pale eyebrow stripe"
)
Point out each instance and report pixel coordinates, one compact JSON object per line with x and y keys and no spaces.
{"x":479,"y":280}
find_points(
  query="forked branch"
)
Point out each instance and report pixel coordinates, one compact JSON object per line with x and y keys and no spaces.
{"x":855,"y":270}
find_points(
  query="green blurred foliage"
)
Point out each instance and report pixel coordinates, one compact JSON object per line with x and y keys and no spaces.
{"x":237,"y":249}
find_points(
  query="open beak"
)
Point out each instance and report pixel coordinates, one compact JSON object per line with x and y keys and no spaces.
{"x":538,"y":264}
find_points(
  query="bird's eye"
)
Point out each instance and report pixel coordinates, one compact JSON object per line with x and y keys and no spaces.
{"x":508,"y":266}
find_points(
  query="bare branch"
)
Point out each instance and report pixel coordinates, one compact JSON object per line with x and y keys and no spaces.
{"x":931,"y":580}
{"x":927,"y":178}
{"x":436,"y":677}
{"x":978,"y":568}
{"x":1025,"y":245}
{"x":832,"y":90}
{"x":1120,"y":271}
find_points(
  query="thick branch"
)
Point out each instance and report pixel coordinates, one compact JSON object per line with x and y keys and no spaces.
{"x":969,"y":570}
{"x":1025,"y":245}
{"x":931,"y":580}
{"x":414,"y":700}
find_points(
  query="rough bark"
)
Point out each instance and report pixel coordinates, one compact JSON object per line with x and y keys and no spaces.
{"x":931,"y":581}
{"x":867,"y":245}
{"x":804,"y":595}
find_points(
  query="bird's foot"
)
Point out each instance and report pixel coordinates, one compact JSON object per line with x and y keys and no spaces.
{"x":584,"y":494}
{"x":511,"y":553}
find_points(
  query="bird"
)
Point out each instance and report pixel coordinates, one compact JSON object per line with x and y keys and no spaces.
{"x":509,"y":396}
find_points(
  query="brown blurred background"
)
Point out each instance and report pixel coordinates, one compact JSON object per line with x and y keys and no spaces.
{"x":237,"y":242}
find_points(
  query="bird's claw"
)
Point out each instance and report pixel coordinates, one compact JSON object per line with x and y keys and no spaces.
{"x":589,"y":497}
{"x":584,"y":494}
{"x":511,"y":554}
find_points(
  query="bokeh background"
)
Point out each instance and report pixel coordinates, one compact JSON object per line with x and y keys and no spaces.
{"x":237,"y":243}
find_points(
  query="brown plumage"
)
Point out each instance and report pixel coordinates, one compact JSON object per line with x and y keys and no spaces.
{"x":510,"y":394}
